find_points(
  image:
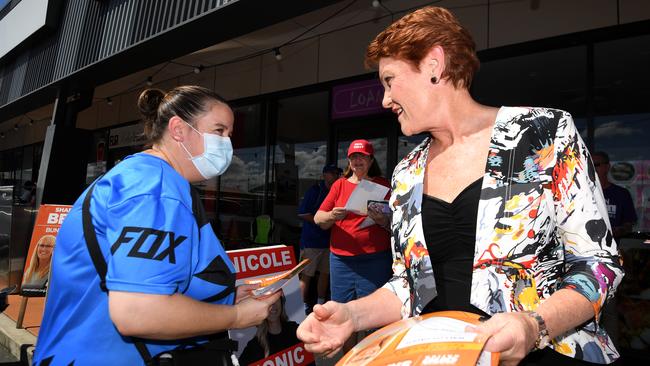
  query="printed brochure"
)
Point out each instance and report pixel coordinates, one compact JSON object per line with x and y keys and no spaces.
{"x":269,"y":285}
{"x":439,"y":338}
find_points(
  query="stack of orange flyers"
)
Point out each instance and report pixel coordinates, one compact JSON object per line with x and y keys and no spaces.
{"x":269,"y":285}
{"x":439,"y":338}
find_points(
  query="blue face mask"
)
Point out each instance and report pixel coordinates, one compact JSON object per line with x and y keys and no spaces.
{"x":216,"y":157}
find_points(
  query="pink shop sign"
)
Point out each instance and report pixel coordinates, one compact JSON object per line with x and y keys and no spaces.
{"x":357,"y":99}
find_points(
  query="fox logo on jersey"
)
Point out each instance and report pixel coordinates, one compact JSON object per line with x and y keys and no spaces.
{"x":158,"y":237}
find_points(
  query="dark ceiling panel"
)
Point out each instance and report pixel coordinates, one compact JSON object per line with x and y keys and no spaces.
{"x":115,"y":38}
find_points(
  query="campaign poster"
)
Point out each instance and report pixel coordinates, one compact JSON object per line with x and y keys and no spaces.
{"x":274,"y":342}
{"x":41,"y":246}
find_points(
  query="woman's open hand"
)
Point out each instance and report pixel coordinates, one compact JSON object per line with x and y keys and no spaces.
{"x":326,"y":328}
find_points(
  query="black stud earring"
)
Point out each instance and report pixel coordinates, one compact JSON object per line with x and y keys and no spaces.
{"x":434,"y":80}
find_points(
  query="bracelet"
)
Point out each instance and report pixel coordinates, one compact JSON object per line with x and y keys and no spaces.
{"x":543,"y":338}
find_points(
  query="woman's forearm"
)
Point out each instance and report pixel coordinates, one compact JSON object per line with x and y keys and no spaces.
{"x":324,"y":219}
{"x":365,"y":312}
{"x":167,"y":316}
{"x":565,"y":310}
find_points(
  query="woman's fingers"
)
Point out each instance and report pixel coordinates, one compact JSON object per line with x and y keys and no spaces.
{"x":321,"y":331}
{"x":493,"y":329}
{"x":509,"y":335}
{"x":305,"y":334}
{"x":321,"y":312}
{"x":272,"y":298}
{"x":332,"y":353}
{"x":245,"y":291}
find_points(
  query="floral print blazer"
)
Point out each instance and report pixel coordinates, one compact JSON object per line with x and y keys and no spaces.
{"x":542,"y":226}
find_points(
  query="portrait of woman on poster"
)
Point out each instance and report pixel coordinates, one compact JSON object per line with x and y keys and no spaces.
{"x":274,"y":334}
{"x":497,"y":212}
{"x":39,"y":263}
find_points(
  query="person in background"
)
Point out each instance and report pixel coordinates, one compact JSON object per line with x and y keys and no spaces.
{"x":494,"y":213}
{"x":360,"y":258}
{"x":169,"y":283}
{"x":622,"y":217}
{"x":315,"y":241}
{"x":620,"y":206}
{"x":29,"y":192}
{"x":39,"y":264}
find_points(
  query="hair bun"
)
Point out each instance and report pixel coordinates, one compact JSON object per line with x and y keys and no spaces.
{"x":149,"y":101}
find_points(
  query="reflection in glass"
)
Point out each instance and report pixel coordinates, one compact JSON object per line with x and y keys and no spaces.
{"x":299,"y":154}
{"x":310,"y":158}
{"x":405,"y":144}
{"x":553,"y":79}
{"x":241,"y":188}
{"x":625,"y":139}
{"x":622,"y":121}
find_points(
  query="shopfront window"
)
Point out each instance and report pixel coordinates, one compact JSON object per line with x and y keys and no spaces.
{"x":17,"y":169}
{"x":622,"y":122}
{"x":241,"y":187}
{"x":406,"y":144}
{"x":553,"y":79}
{"x":622,"y":130}
{"x":299,"y":154}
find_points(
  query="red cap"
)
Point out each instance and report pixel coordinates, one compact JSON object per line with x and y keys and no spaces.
{"x":361,"y":146}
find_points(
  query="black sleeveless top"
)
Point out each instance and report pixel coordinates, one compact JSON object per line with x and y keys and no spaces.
{"x":450,"y":234}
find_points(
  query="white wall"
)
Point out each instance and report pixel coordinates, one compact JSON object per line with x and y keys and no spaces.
{"x":22,"y":21}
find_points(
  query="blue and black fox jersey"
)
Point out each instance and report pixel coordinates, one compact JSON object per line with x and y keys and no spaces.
{"x":155,"y":238}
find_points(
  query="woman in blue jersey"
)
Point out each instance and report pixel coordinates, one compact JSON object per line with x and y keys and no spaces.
{"x":169,"y":283}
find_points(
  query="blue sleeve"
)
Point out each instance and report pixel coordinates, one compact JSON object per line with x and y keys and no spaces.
{"x":151,"y":245}
{"x":309,"y":202}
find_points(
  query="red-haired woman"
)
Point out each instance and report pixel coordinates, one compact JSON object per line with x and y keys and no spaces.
{"x":496,"y":212}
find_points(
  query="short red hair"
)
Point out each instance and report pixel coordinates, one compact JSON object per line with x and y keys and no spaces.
{"x":411,"y":37}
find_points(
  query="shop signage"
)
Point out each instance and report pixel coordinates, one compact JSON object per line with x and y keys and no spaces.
{"x":263,"y":261}
{"x":357,"y":99}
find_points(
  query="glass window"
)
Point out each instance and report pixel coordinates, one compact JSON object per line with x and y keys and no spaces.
{"x":299,"y":154}
{"x":622,"y":122}
{"x":405,"y":144}
{"x":241,"y":187}
{"x":554,"y":79}
{"x":19,"y":166}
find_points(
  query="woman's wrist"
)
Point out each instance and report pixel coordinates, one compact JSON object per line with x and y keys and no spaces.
{"x":349,"y":308}
{"x":539,"y":337}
